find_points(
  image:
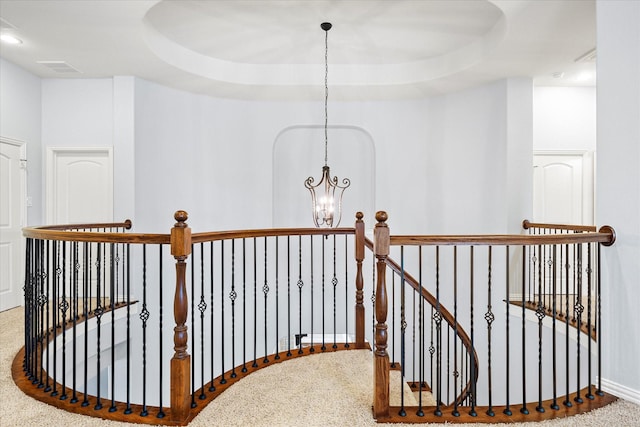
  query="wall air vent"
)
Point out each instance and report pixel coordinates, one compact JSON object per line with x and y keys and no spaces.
{"x":587,"y":57}
{"x":59,"y":67}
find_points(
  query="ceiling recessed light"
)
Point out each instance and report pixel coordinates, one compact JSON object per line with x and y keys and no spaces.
{"x":10,"y":39}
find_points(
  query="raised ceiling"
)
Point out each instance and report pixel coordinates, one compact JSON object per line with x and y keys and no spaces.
{"x":264,"y":49}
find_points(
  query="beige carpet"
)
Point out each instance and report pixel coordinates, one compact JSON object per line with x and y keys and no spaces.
{"x":320,"y":390}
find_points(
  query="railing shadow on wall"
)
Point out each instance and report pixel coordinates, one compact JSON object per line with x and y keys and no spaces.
{"x":99,"y":339}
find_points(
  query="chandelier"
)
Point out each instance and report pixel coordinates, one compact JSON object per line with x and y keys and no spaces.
{"x":326,"y":195}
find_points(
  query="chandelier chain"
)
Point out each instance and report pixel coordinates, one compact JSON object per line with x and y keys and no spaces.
{"x":326,"y":93}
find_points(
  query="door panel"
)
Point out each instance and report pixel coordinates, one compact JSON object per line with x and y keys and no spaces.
{"x":12,"y":200}
{"x":79,"y":185}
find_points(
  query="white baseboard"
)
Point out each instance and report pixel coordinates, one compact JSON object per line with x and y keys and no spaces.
{"x":621,"y":391}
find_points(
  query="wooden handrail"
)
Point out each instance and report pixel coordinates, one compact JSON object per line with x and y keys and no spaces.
{"x":606,"y":236}
{"x":526,"y":224}
{"x":271,"y":232}
{"x":126,"y":224}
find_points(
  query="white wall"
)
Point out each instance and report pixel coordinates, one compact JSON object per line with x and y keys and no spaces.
{"x":564,"y":118}
{"x":618,"y":190}
{"x":20,"y":118}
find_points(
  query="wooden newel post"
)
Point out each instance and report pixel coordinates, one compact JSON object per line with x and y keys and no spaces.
{"x":181,"y":361}
{"x":359,"y":281}
{"x":381,"y":358}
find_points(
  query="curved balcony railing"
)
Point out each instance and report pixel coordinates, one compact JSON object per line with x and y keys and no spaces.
{"x":149,"y":328}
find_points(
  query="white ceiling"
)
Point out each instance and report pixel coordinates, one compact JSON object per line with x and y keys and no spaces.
{"x":267,"y":49}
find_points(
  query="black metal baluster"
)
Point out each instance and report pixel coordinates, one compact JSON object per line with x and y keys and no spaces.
{"x":300,"y":285}
{"x":524,"y":409}
{"x":128,"y":409}
{"x":567,"y":402}
{"x":599,"y":391}
{"x":346,"y":293}
{"x":202,"y":306}
{"x":334,"y":282}
{"x":244,"y":305}
{"x":64,"y":307}
{"x":212,"y":386}
{"x":232,"y":297}
{"x":288,"y":296}
{"x":554,"y":303}
{"x":589,"y":325}
{"x":193,"y":335}
{"x":55,"y":314}
{"x":420,"y":411}
{"x":255,"y":303}
{"x":578,"y":308}
{"x":473,"y":396}
{"x":540,"y":314}
{"x":393,"y":321}
{"x":144,"y":316}
{"x":86,"y":286}
{"x":41,"y":277}
{"x":323,"y":347}
{"x":311,"y":348}
{"x":223,"y":380}
{"x":403,"y":329}
{"x":74,"y":313}
{"x":98,"y":312}
{"x":277,"y":331}
{"x":456,"y":373}
{"x":161,"y":413}
{"x":489,"y":317}
{"x":438,"y":320}
{"x":507,"y":409}
{"x":265,"y":291}
{"x":112,"y":305}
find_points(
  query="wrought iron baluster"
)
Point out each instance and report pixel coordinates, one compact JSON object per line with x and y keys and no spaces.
{"x":86,"y":290}
{"x":193,"y":335}
{"x":524,"y":409}
{"x":202,"y":307}
{"x":288,"y":296}
{"x":507,"y":409}
{"x":232,"y":297}
{"x":128,"y":409}
{"x":489,"y":317}
{"x":540,"y":314}
{"x":255,"y":303}
{"x":346,"y":292}
{"x":144,"y":317}
{"x":112,"y":306}
{"x":554,"y":303}
{"x":244,"y":305}
{"x":567,"y":402}
{"x":74,"y":302}
{"x":56,"y":319}
{"x":578,"y":309}
{"x":265,"y":291}
{"x":473,"y":396}
{"x":223,"y":380}
{"x":334,"y":282}
{"x":212,"y":386}
{"x":420,"y":411}
{"x":590,"y":395}
{"x":311,"y":348}
{"x":277,"y":331}
{"x":300,"y":285}
{"x":323,"y":347}
{"x":403,"y":330}
{"x":456,"y":367}
{"x":98,"y":312}
{"x":161,"y":413}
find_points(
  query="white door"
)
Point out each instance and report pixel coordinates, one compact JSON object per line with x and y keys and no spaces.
{"x":563,"y":188}
{"x":12,"y":219}
{"x":79,"y":185}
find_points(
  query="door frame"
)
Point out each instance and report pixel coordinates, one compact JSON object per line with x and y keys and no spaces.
{"x":23,"y":201}
{"x":50,"y":174}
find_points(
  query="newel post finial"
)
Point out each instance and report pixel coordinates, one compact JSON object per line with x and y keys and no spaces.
{"x":181,"y":361}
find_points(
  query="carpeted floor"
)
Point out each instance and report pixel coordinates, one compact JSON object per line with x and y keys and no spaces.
{"x":318,"y":390}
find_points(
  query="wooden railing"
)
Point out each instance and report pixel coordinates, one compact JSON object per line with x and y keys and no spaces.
{"x":97,"y":334}
{"x":98,"y":339}
{"x":487,"y":272}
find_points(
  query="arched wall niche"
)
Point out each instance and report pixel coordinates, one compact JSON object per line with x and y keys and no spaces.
{"x":298,"y":152}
